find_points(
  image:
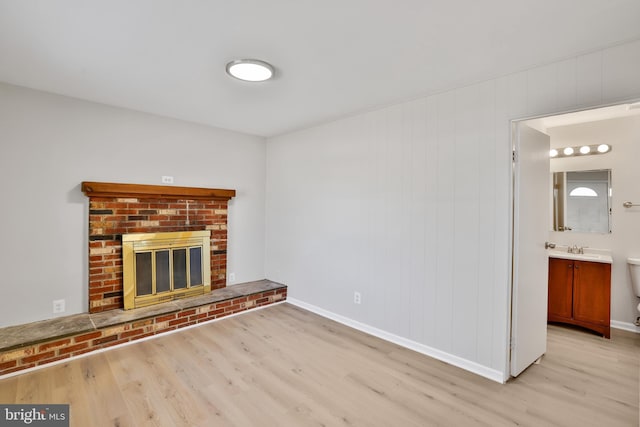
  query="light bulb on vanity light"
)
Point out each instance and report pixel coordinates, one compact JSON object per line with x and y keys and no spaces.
{"x":580,"y":150}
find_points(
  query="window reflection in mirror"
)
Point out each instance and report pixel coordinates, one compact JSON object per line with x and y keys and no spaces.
{"x":582,"y":201}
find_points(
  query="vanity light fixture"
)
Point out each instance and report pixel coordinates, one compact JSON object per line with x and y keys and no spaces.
{"x":583,"y":150}
{"x":250,"y":70}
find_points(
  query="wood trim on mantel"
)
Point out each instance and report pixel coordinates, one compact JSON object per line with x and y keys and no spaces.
{"x":108,"y":189}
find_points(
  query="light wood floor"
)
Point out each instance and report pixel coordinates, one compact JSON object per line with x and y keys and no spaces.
{"x":283,"y":366}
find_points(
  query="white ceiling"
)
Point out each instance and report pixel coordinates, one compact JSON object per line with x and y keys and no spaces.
{"x":332,"y":57}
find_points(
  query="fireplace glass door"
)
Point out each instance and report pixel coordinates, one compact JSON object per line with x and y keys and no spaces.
{"x":164,"y":266}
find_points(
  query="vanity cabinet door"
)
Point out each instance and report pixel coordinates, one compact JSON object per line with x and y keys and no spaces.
{"x":592,"y":292}
{"x":560,"y":302}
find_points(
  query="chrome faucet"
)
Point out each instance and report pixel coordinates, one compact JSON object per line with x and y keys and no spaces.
{"x":575,"y":249}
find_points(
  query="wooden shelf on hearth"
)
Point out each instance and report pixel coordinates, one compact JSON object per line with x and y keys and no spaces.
{"x":108,"y":189}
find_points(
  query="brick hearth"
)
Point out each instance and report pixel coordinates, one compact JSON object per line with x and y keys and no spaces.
{"x":40,"y":343}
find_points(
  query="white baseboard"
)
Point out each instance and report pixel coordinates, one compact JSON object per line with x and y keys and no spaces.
{"x":451,"y":359}
{"x":625,"y":326}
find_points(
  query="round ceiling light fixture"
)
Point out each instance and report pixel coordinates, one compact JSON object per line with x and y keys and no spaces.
{"x":250,"y":70}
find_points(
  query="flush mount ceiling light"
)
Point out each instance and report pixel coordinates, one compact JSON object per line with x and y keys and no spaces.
{"x":250,"y":70}
{"x":584,"y":150}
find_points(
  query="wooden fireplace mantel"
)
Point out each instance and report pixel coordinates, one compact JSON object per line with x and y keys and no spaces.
{"x":108,"y":189}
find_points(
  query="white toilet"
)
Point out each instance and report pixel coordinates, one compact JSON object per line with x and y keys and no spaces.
{"x":634,"y":269}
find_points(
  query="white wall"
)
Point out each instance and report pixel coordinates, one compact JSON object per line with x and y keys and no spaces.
{"x":49,"y":144}
{"x":410,"y":205}
{"x":624,"y":241}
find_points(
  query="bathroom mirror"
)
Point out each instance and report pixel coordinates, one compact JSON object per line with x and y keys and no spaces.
{"x":582,"y":201}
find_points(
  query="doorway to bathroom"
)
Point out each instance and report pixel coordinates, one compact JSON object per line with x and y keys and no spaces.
{"x":618,"y":126}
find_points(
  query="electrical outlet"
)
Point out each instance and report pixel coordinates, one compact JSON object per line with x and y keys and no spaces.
{"x":167,"y":180}
{"x":232,"y":277}
{"x":357,"y":298}
{"x":58,"y":306}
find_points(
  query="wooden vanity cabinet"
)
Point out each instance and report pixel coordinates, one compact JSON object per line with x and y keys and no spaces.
{"x":580,"y":294}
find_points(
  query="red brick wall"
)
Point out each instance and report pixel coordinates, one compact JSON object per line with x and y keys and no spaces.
{"x":110,"y":218}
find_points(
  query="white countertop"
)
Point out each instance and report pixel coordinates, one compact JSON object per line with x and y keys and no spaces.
{"x":593,"y":255}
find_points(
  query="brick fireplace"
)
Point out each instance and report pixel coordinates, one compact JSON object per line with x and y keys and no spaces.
{"x":129,"y":209}
{"x":117,"y":209}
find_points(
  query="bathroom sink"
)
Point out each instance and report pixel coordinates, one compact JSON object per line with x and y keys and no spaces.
{"x":589,"y":256}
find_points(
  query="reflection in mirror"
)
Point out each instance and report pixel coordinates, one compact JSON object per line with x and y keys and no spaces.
{"x":582,"y":201}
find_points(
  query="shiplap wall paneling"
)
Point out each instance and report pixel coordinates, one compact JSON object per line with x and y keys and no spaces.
{"x":466,"y":216}
{"x":429,"y":234}
{"x":488,"y":220}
